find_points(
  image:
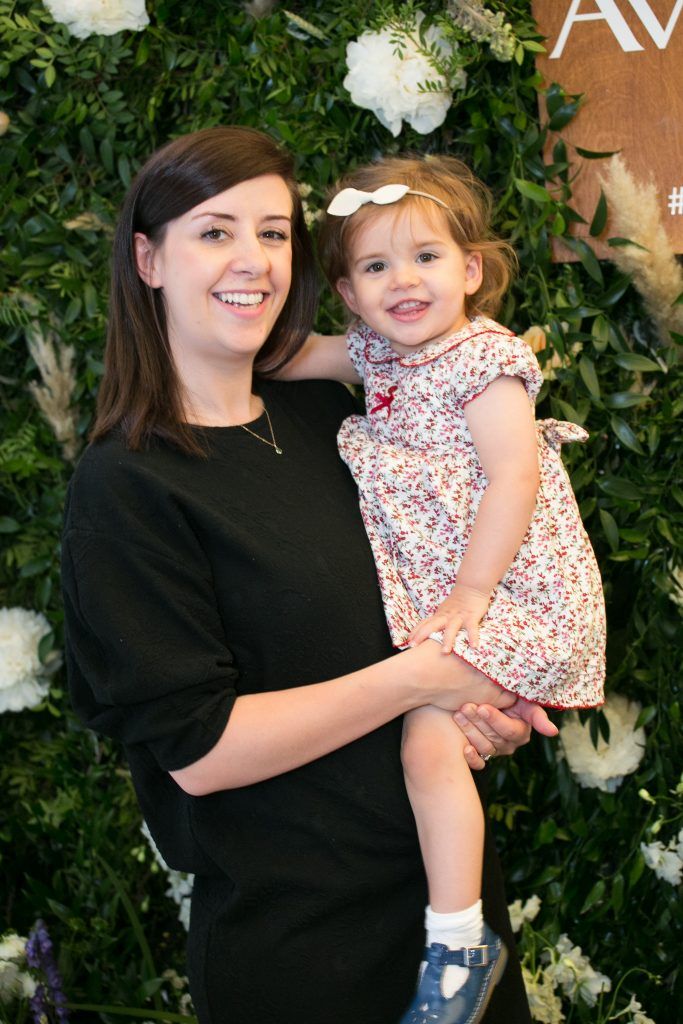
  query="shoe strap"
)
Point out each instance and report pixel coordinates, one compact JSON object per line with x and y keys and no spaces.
{"x":467,"y":956}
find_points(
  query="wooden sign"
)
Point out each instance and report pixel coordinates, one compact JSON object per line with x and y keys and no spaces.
{"x":626,"y":58}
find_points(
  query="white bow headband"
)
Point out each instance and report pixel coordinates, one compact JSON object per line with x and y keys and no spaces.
{"x":350,"y":200}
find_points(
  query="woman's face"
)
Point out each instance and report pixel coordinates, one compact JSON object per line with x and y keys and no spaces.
{"x":225,"y":268}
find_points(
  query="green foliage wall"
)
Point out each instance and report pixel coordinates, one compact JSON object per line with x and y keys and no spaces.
{"x":83,"y":117}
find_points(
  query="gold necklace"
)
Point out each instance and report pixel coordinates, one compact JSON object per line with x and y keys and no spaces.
{"x":273,"y":443}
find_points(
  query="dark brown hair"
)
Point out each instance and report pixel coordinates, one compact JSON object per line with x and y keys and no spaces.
{"x":468,"y":216}
{"x":140,"y":389}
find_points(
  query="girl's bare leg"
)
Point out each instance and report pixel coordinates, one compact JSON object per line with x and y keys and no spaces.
{"x":449,"y":816}
{"x":450,"y":825}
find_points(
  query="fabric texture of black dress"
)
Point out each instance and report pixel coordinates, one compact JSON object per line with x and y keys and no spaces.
{"x":188,"y":582}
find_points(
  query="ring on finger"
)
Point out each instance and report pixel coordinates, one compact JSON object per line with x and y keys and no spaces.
{"x":486,"y":757}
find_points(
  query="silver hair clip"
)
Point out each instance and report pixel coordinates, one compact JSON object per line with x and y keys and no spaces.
{"x":350,"y":200}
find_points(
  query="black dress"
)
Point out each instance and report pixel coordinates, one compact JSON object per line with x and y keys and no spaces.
{"x":188,"y":582}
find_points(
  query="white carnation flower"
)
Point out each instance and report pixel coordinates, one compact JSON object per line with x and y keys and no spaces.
{"x":544,"y":1004}
{"x":665,"y":861}
{"x":98,"y":17}
{"x":572,"y":970}
{"x":520,"y":913}
{"x":388,"y":84}
{"x":23,"y":682}
{"x":15,"y":983}
{"x":179,"y":882}
{"x":604,"y":767}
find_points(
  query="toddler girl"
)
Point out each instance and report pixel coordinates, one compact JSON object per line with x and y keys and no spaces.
{"x":473,"y":524}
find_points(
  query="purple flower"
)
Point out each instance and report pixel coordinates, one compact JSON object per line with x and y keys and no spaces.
{"x":40,"y":955}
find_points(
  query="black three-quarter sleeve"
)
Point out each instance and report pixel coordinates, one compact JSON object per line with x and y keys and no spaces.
{"x":147,"y":658}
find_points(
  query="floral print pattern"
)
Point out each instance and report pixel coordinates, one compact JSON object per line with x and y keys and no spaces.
{"x":420,"y":483}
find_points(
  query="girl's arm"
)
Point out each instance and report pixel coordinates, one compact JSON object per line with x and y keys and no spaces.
{"x":502,"y":426}
{"x":322,"y":357}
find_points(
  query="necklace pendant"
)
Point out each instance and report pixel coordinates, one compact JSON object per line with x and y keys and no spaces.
{"x":278,"y":451}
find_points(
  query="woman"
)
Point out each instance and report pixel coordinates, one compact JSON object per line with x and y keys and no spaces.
{"x":223,"y":617}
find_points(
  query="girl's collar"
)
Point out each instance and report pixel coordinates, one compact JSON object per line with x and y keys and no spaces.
{"x":379,"y":350}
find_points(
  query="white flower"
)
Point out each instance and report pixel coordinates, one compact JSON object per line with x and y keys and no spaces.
{"x":519,"y":914}
{"x":23,"y":682}
{"x":388,"y":83}
{"x":679,"y":844}
{"x":544,"y":1004}
{"x":15,"y":983}
{"x":665,"y":861}
{"x":179,"y":882}
{"x":104,"y":17}
{"x":604,"y":767}
{"x":570,"y":969}
{"x":636,"y":1009}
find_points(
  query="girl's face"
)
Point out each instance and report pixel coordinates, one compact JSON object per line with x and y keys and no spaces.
{"x":225,"y":268}
{"x":408,"y":278}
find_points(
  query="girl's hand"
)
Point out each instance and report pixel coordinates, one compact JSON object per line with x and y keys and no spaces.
{"x":490,"y":731}
{"x":464,"y":608}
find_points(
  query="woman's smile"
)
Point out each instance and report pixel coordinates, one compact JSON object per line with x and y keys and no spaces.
{"x":225,"y":269}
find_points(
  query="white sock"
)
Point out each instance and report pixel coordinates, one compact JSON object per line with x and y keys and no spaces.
{"x":463,"y":928}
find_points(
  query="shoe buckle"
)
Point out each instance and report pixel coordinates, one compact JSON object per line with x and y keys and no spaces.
{"x":475,"y":956}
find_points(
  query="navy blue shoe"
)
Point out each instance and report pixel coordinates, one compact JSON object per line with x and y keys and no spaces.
{"x":468,"y":1005}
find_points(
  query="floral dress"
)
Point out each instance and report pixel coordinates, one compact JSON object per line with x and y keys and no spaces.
{"x":420,"y":483}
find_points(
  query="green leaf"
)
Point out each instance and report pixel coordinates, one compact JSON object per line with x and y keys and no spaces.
{"x":596,"y":895}
{"x":589,"y":376}
{"x":534,"y":47}
{"x":563,"y":116}
{"x":625,"y":399}
{"x":586,"y":256}
{"x":90,"y":299}
{"x":610,"y":528}
{"x":634,"y":361}
{"x":107,"y":155}
{"x":599,"y":217}
{"x":600,"y":333}
{"x":50,"y":76}
{"x":592,"y":154}
{"x":617,"y":894}
{"x":646,"y":716}
{"x":536,"y":193}
{"x":616,"y":242}
{"x":8,"y":525}
{"x":618,"y":488}
{"x":626,"y":435}
{"x":45,"y":646}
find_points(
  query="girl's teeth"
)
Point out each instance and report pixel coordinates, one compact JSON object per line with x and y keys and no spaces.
{"x":412,"y":304}
{"x":241,"y":298}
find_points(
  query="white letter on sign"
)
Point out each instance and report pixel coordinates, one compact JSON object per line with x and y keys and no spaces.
{"x":660,"y":36}
{"x":612,"y":15}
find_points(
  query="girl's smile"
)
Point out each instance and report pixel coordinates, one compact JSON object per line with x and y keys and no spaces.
{"x":408,"y":278}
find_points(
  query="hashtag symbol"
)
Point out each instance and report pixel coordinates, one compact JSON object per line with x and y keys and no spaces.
{"x":676,"y":200}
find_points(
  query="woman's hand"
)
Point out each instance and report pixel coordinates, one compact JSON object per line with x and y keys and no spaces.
{"x":491,"y":731}
{"x":464,"y":608}
{"x":447,"y":683}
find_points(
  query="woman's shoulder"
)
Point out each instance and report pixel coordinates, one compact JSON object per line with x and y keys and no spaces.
{"x":321,"y":401}
{"x":112,"y":483}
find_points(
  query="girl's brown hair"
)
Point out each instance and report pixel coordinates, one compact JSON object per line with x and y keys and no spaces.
{"x":140,"y":390}
{"x":469,"y":204}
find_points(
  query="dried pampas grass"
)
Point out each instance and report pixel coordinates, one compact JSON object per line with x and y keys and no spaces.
{"x":656,"y":273}
{"x":54,"y":395}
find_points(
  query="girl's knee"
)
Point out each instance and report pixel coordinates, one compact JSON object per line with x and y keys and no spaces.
{"x":431,"y":745}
